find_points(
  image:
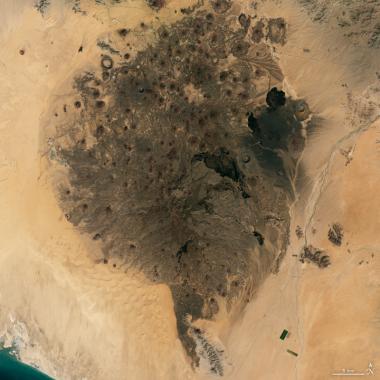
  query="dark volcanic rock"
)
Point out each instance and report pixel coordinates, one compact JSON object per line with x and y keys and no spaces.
{"x":258,"y":32}
{"x":277,"y":30}
{"x":253,"y":123}
{"x":335,"y":234}
{"x":175,"y":187}
{"x":315,"y":256}
{"x":275,"y":98}
{"x":244,"y":21}
{"x":156,"y":4}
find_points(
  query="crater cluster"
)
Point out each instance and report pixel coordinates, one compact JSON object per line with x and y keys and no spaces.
{"x":176,"y":167}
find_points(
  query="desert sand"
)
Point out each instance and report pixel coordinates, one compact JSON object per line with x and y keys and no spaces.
{"x":75,"y":318}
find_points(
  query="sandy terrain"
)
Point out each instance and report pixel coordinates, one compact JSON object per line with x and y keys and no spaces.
{"x":51,"y":290}
{"x":332,"y":313}
{"x":74,"y":320}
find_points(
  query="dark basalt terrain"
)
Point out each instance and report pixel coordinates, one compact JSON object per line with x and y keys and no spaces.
{"x":176,"y":166}
{"x":316,"y":256}
{"x":335,"y":234}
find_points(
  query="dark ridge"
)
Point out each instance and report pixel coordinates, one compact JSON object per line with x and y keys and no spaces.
{"x":106,"y":46}
{"x":226,"y":166}
{"x":192,"y":9}
{"x":222,"y":163}
{"x":187,"y":303}
{"x":42,"y":6}
{"x":277,"y":30}
{"x":221,"y":6}
{"x":258,"y":32}
{"x":156,"y":4}
{"x":315,"y":256}
{"x":123,"y":32}
{"x":253,"y":124}
{"x":259,"y":237}
{"x":182,"y":250}
{"x":335,"y":234}
{"x":299,"y":232}
{"x":244,"y":21}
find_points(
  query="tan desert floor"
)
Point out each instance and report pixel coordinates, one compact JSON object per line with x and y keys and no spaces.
{"x":333,"y":315}
{"x":76,"y":321}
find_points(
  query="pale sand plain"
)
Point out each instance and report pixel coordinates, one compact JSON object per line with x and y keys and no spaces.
{"x":76,"y":320}
{"x":333,"y":314}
